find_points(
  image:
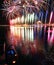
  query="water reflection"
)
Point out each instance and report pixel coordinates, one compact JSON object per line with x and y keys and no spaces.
{"x":24,"y":33}
{"x":30,"y":38}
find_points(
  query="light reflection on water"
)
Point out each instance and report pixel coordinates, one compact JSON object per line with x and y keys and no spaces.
{"x":26,"y":37}
{"x":26,"y":33}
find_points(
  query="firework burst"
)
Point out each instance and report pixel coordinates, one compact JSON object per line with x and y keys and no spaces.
{"x":13,"y":8}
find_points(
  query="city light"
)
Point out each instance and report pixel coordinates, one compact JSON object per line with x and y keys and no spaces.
{"x":14,"y":62}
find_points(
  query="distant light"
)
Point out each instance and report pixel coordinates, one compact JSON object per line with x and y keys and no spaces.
{"x":19,"y":2}
{"x":15,"y":54}
{"x":14,"y":62}
{"x":23,"y":5}
{"x":36,"y":2}
{"x":39,"y":23}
